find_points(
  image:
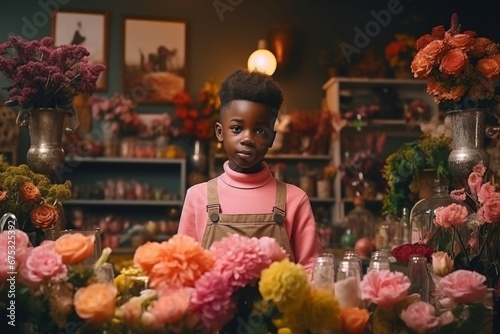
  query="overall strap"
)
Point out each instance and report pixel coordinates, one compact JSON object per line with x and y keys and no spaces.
{"x":280,"y":204}
{"x":213,"y":206}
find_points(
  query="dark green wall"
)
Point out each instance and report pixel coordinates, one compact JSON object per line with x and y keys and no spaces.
{"x":216,"y":46}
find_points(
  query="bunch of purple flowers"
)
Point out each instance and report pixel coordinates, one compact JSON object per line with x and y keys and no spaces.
{"x":43,"y":75}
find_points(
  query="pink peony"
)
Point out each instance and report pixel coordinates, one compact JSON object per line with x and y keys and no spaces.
{"x":171,"y":305}
{"x":490,"y":211}
{"x":420,"y":317}
{"x":240,"y":259}
{"x":451,"y":215}
{"x":458,"y":194}
{"x":384,"y":288}
{"x":211,"y":300}
{"x":463,"y":286}
{"x":43,"y":265}
{"x":485,"y":192}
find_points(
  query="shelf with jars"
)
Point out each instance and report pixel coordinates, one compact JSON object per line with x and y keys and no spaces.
{"x":132,"y":200}
{"x":372,"y":118}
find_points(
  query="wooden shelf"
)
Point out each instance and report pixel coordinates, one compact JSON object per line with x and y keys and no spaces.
{"x":102,"y":202}
{"x":119,"y":160}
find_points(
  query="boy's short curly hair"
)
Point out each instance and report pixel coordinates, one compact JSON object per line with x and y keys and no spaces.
{"x":251,"y":86}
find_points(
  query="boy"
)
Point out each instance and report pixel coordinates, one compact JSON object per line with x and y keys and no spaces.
{"x":246,"y":198}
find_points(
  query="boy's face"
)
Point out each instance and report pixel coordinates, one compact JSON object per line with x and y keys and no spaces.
{"x":246,"y":130}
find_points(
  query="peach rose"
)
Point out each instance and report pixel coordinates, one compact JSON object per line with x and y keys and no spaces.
{"x":434,"y":50}
{"x":384,"y":288}
{"x":463,"y":286}
{"x":420,"y":317}
{"x":354,"y":320}
{"x":421,"y":66}
{"x":29,"y":192}
{"x":75,"y":247}
{"x":458,"y":40}
{"x":478,"y":46}
{"x":454,"y":61}
{"x":442,"y":264}
{"x":3,"y":196}
{"x":96,"y":303}
{"x":44,"y":216}
{"x":489,"y":67}
{"x":147,"y":255}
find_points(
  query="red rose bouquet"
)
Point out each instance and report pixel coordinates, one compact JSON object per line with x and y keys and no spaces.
{"x":461,"y":68}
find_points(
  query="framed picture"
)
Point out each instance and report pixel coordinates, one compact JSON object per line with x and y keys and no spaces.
{"x":89,"y":29}
{"x":154,"y":59}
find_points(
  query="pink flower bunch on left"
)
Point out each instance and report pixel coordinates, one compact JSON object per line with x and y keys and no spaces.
{"x":384,"y":288}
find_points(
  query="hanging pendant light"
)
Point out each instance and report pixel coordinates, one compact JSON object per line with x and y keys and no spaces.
{"x":262,"y":60}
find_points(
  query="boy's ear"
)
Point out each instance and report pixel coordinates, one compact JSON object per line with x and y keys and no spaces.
{"x":271,"y":141}
{"x":218,"y":131}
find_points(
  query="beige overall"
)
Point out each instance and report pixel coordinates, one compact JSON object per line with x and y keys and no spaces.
{"x":251,"y":225}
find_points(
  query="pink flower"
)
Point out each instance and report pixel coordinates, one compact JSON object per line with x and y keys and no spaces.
{"x":272,"y":249}
{"x":451,"y":215}
{"x":463,"y":286}
{"x":13,"y":258}
{"x":458,"y":194}
{"x":211,"y":300}
{"x":240,"y":259}
{"x":420,"y":317}
{"x":43,"y":264}
{"x":171,"y":305}
{"x":474,"y":181}
{"x":479,"y":169}
{"x":490,"y":211}
{"x":384,"y":288}
{"x":485,"y":192}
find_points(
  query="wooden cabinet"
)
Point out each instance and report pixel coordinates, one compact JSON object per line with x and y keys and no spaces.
{"x":131,"y":200}
{"x":375,"y":112}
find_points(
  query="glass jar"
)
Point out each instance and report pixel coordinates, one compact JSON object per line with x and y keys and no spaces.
{"x":422,"y":214}
{"x":359,"y":220}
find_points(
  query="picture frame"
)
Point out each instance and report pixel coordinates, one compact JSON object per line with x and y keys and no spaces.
{"x":154,"y":59}
{"x":89,"y":29}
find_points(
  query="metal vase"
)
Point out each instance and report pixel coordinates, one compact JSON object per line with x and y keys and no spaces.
{"x":468,"y":132}
{"x":46,"y":155}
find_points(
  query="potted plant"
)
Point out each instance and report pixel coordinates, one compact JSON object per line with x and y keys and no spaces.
{"x":404,"y":168}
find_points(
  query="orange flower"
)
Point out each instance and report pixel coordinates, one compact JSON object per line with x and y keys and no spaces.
{"x":147,"y":255}
{"x":184,"y":261}
{"x":354,"y":320}
{"x":458,"y":40}
{"x":489,"y":67}
{"x":74,"y":247}
{"x":454,"y":61}
{"x":421,"y":66}
{"x":433,"y":51}
{"x":29,"y":192}
{"x":44,"y":216}
{"x":96,"y":303}
{"x":3,"y":196}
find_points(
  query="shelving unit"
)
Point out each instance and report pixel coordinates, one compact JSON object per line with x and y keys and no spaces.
{"x":339,"y":92}
{"x":161,"y":187}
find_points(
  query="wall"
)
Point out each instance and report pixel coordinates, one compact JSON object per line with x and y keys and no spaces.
{"x":219,"y":43}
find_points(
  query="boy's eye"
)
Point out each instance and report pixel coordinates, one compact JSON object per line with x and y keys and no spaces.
{"x":235,"y":129}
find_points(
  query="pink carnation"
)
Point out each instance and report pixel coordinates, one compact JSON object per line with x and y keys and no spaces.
{"x":240,"y":259}
{"x":420,"y":317}
{"x":211,"y":300}
{"x":451,"y":215}
{"x":479,"y":169}
{"x":485,"y":192}
{"x":384,"y":288}
{"x":458,"y":194}
{"x":43,"y":265}
{"x":474,"y":181}
{"x":490,"y":211}
{"x":171,"y":306}
{"x":271,"y":248}
{"x":463,"y":286}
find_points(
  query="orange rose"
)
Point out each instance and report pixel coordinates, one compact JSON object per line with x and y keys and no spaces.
{"x":29,"y":192}
{"x":489,"y":67}
{"x":434,"y":50}
{"x":96,"y":303}
{"x":3,"y":196}
{"x":421,"y":66}
{"x":479,"y":46}
{"x":458,"y":40}
{"x":44,"y":216}
{"x":454,"y":61}
{"x":354,"y":320}
{"x":147,"y":255}
{"x":74,"y":247}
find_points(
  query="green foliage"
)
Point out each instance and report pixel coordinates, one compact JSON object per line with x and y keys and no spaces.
{"x":401,"y":169}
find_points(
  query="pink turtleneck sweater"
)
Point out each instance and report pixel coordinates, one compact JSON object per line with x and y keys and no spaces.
{"x":241,"y":193}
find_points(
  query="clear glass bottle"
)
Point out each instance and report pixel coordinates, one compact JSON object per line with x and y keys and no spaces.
{"x":422,"y":214}
{"x":360,"y":220}
{"x":404,"y":224}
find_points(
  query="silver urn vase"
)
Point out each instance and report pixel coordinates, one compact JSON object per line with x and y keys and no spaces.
{"x":468,"y":133}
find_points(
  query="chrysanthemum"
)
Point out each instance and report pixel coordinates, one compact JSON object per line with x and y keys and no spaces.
{"x":322,"y":310}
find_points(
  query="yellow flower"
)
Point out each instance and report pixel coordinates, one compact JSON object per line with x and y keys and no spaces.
{"x":285,"y":284}
{"x":322,"y":310}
